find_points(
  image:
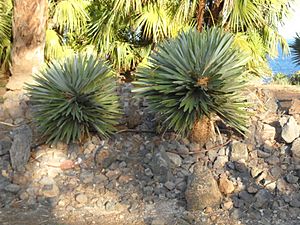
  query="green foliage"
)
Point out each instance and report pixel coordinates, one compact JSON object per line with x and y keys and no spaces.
{"x":281,"y":79}
{"x":73,"y":96}
{"x":195,"y":75}
{"x":296,"y":49}
{"x":5,"y":34}
{"x":295,"y":78}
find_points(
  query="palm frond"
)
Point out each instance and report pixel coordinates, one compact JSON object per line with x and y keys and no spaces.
{"x":70,"y":15}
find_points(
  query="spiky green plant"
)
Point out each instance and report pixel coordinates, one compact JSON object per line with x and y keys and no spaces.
{"x":73,"y":96}
{"x":195,"y":76}
{"x":296,"y":49}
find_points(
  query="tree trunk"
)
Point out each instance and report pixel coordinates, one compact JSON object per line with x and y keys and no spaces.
{"x":29,"y":31}
{"x":202,"y":131}
{"x":200,"y":14}
{"x":215,"y":11}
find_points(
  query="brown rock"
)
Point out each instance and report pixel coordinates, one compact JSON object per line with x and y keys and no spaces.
{"x":295,"y":107}
{"x":226,"y":186}
{"x":202,"y":190}
{"x":67,"y":164}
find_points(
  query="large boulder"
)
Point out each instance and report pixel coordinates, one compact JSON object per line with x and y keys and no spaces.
{"x":20,"y":148}
{"x":202,"y":190}
{"x":290,"y":130}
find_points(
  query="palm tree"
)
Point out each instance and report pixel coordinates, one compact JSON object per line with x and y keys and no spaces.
{"x":5,"y":35}
{"x":296,"y":49}
{"x":29,"y":26}
{"x":125,"y":30}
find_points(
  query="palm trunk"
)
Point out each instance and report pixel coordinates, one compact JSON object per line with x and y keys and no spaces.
{"x":215,"y":11}
{"x":202,"y":131}
{"x":200,"y":14}
{"x":29,"y":30}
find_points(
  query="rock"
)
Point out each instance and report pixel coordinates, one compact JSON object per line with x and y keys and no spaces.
{"x":197,"y":195}
{"x":255,"y":171}
{"x":81,"y":198}
{"x":228,"y":205}
{"x":158,"y":221}
{"x":148,"y":172}
{"x":290,"y":130}
{"x":296,"y":148}
{"x":268,"y":132}
{"x":291,"y":178}
{"x":87,"y":176}
{"x":13,"y":188}
{"x":220,"y":162}
{"x":244,"y":195}
{"x":50,"y":190}
{"x":170,"y":185}
{"x":160,"y":165}
{"x":67,"y":164}
{"x":295,"y":107}
{"x":20,"y":149}
{"x":239,"y":151}
{"x":262,"y":197}
{"x":295,"y":203}
{"x":100,"y":178}
{"x":252,"y":190}
{"x":5,"y":145}
{"x":272,"y":160}
{"x":226,"y":186}
{"x":174,"y":158}
{"x":276,"y":172}
{"x":262,"y":154}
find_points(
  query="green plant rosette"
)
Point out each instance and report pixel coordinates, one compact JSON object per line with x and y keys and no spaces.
{"x":195,"y":75}
{"x":73,"y":96}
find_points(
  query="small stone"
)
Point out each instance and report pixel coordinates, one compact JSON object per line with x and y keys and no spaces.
{"x":239,"y":151}
{"x":174,"y":158}
{"x":50,"y":190}
{"x":158,"y":221}
{"x":255,"y":171}
{"x":122,"y":164}
{"x":100,"y":178}
{"x":182,"y":149}
{"x":4,"y":147}
{"x":290,"y":130}
{"x":276,"y":172}
{"x":194,"y":147}
{"x":13,"y":188}
{"x":296,"y":148}
{"x":148,"y":172}
{"x":124,"y":179}
{"x":262,"y":197}
{"x":24,"y":196}
{"x":170,"y":185}
{"x":81,"y":198}
{"x":295,"y":203}
{"x":244,"y":195}
{"x":292,"y":179}
{"x":110,"y":205}
{"x":67,"y":164}
{"x":252,"y":190}
{"x":268,"y":132}
{"x":87,"y":176}
{"x":272,"y":160}
{"x":228,"y":205}
{"x":262,"y":154}
{"x":225,"y":185}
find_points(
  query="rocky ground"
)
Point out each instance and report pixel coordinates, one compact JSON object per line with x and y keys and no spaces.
{"x":146,"y":178}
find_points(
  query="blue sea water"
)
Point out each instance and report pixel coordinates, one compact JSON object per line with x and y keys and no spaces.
{"x":284,"y":63}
